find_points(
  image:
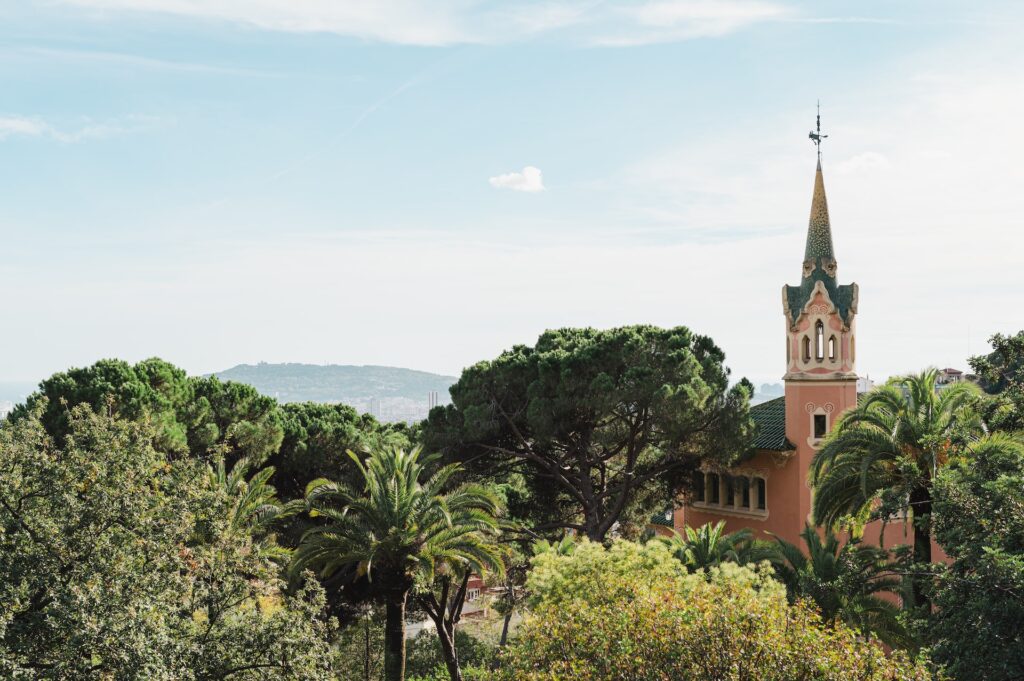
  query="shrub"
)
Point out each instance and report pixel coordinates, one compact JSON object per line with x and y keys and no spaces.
{"x":631,"y":612}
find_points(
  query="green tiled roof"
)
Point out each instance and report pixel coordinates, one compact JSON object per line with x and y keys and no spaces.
{"x":843,"y":296}
{"x":770,"y":418}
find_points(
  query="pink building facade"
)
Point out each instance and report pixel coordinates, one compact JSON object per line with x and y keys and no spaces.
{"x":769,"y":492}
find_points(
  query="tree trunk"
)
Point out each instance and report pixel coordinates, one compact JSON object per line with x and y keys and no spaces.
{"x":921,"y":505}
{"x":394,"y":637}
{"x":366,"y":651}
{"x":446,"y":635}
{"x":504,"y":629}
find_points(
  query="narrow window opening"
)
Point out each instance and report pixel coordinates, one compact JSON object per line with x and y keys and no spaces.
{"x":762,"y":494}
{"x":745,"y":492}
{"x":715,"y":488}
{"x":730,"y":491}
{"x":807,"y":349}
{"x":698,"y":486}
{"x":819,"y":426}
{"x":832,"y":348}
{"x":819,"y":341}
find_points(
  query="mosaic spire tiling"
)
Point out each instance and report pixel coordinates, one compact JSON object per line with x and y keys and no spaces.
{"x":819,"y":232}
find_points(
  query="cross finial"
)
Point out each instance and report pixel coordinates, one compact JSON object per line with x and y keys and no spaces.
{"x":815,"y":135}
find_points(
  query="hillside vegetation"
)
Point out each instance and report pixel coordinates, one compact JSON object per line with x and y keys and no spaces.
{"x":337,"y":382}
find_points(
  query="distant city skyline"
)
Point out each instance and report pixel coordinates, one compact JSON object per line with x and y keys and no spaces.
{"x":371,"y":183}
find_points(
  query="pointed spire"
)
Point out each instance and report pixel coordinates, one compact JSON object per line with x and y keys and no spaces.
{"x":819,"y":231}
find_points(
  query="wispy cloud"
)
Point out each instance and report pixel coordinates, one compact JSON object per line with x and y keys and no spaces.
{"x":33,"y":126}
{"x":446,"y":22}
{"x":673,"y":20}
{"x":531,"y":179}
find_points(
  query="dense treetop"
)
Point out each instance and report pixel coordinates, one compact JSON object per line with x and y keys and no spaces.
{"x":600,"y":425}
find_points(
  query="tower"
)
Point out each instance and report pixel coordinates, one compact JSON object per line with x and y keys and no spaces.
{"x":767,"y":490}
{"x":820,"y":315}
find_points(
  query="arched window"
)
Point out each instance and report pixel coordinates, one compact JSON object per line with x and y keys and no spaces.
{"x":832,"y":348}
{"x":819,"y":341}
{"x":807,"y":349}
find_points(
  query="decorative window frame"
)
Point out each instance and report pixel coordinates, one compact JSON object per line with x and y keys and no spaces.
{"x":813,"y":410}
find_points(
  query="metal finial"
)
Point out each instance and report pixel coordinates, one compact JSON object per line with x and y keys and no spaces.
{"x":815,"y":135}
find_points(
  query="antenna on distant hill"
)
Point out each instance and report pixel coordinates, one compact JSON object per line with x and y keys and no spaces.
{"x":815,"y":135}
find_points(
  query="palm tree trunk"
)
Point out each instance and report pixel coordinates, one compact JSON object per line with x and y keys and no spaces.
{"x":921,"y":505}
{"x":394,"y":636}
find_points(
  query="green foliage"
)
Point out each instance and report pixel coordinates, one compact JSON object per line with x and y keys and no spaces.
{"x":603,"y":426}
{"x":117,"y":562}
{"x":400,"y":529}
{"x":439,"y":673}
{"x":633,"y":612}
{"x":709,"y":545}
{"x":1002,"y":375}
{"x":187,"y":416}
{"x":978,"y":629}
{"x":844,"y":581}
{"x":316,"y":439}
{"x":882,"y":457}
{"x":424,"y":654}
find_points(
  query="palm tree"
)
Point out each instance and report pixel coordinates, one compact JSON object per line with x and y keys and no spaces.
{"x":254,"y":504}
{"x":844,"y":581}
{"x":883,"y":456}
{"x":709,"y":545}
{"x":399,"y":529}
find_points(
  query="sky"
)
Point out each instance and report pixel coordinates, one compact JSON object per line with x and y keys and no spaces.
{"x":427,"y":184}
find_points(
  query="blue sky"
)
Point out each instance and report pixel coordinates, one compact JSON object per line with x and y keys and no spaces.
{"x":426,"y":184}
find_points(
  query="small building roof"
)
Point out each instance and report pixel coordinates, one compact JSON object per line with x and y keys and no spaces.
{"x":770,"y":419}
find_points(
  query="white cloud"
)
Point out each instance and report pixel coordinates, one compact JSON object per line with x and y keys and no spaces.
{"x":445,"y":22}
{"x":29,"y":126}
{"x":672,"y":20}
{"x":530,"y":180}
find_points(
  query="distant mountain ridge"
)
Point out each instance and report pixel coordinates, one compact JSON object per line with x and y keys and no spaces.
{"x":338,"y":382}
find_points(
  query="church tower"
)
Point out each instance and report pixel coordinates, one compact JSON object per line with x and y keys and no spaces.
{"x":767,"y":490}
{"x":820,"y":315}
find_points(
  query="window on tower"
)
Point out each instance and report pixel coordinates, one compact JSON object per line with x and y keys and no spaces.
{"x":819,"y":341}
{"x":832,"y":348}
{"x":807,"y":349}
{"x":820,"y":426}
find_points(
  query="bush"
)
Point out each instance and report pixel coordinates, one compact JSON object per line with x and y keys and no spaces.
{"x":632,"y":612}
{"x":423,"y":654}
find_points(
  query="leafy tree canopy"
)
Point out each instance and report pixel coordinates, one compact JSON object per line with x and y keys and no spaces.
{"x":196,"y":416}
{"x":1002,"y":375}
{"x":602,"y":426}
{"x":117,"y":562}
{"x":633,"y":612}
{"x":977,"y":629}
{"x":317,"y":438}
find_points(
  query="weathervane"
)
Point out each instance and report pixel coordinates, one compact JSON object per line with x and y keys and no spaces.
{"x":816,"y":136}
